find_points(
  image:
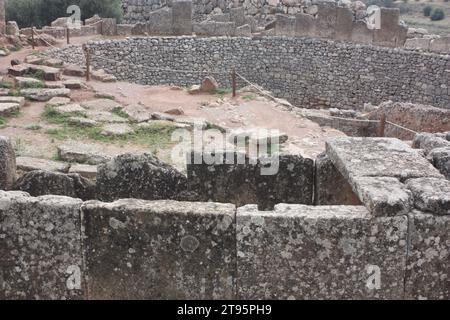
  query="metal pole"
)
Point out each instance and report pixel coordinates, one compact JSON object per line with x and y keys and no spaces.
{"x":233,"y":81}
{"x":68,"y":35}
{"x":32,"y":37}
{"x":88,"y":63}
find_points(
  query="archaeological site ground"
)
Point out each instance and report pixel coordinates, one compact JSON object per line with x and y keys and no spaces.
{"x":226,"y":150}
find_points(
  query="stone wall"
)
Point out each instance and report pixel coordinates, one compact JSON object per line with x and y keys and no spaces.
{"x":2,"y":17}
{"x":55,"y":247}
{"x":310,"y":73}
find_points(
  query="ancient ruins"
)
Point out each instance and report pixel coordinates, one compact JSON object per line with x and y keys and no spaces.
{"x":193,"y":148}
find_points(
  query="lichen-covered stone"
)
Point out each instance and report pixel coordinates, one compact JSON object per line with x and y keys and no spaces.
{"x":140,"y":176}
{"x":441,"y":160}
{"x":29,"y":164}
{"x":428,"y":265}
{"x":82,"y":153}
{"x":331,"y":188}
{"x":40,"y":182}
{"x":327,"y":252}
{"x":429,"y":141}
{"x":7,"y":164}
{"x":160,"y":250}
{"x":431,"y":195}
{"x":40,"y":247}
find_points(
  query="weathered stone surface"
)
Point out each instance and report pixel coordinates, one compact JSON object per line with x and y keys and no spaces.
{"x":24,"y":82}
{"x":304,"y":25}
{"x":431,"y":195}
{"x":44,"y":94}
{"x":182,"y":17}
{"x":428,"y":265}
{"x":82,"y":122}
{"x":73,"y":84}
{"x":140,"y":176}
{"x":209,"y":84}
{"x":160,"y":250}
{"x":378,"y":157}
{"x":7,"y":164}
{"x":84,"y":170}
{"x":101,"y":105}
{"x":30,"y":164}
{"x":160,"y":22}
{"x":74,"y":71}
{"x":441,"y":160}
{"x":137,"y":113}
{"x":326,"y":20}
{"x":109,"y":26}
{"x":116,"y":129}
{"x":331,"y":188}
{"x":58,"y":101}
{"x":212,"y":28}
{"x":383,"y":196}
{"x":41,"y":182}
{"x":285,"y":25}
{"x":82,"y":153}
{"x":69,"y":109}
{"x":199,"y":123}
{"x":103,"y":76}
{"x":162,"y":116}
{"x":244,"y":31}
{"x":18,"y":100}
{"x":233,"y":178}
{"x":237,"y":15}
{"x":40,"y":248}
{"x":328,"y":252}
{"x":7,"y":109}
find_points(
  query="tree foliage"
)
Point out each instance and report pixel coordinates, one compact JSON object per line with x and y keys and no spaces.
{"x":42,"y":12}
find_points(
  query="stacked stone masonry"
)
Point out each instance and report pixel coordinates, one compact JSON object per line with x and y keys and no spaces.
{"x":308,"y":72}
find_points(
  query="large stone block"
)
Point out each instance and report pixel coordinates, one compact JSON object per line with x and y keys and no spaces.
{"x":441,"y":44}
{"x":182,"y":17}
{"x":335,"y":252}
{"x":344,"y":24}
{"x":140,"y":176}
{"x":109,"y":26}
{"x":331,"y":188}
{"x":40,"y":247}
{"x":285,"y":25}
{"x":428,"y":264}
{"x":240,"y":180}
{"x":305,"y":25}
{"x":431,"y":195}
{"x":418,"y":43}
{"x":212,"y":28}
{"x":160,"y":22}
{"x":7,"y":164}
{"x":389,"y":32}
{"x":441,"y":160}
{"x":237,"y":15}
{"x":160,"y":250}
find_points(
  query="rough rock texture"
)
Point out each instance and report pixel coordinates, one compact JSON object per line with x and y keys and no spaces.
{"x":40,"y":247}
{"x":304,"y":78}
{"x":44,"y":94}
{"x":429,"y":141}
{"x":441,"y":160}
{"x":428,"y":265}
{"x":328,"y":252}
{"x":40,"y":182}
{"x":140,"y":176}
{"x":30,"y":164}
{"x":160,"y":250}
{"x":81,"y":153}
{"x":431,"y":195}
{"x":240,"y":180}
{"x":331,"y":188}
{"x":7,"y":164}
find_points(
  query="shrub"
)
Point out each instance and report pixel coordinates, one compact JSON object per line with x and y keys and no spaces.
{"x":437,"y":14}
{"x":427,"y":11}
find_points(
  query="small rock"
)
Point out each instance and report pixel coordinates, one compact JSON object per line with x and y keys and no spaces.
{"x":209,"y":84}
{"x":58,"y":101}
{"x":175,"y":111}
{"x":73,"y":84}
{"x":7,"y":109}
{"x":195,"y":89}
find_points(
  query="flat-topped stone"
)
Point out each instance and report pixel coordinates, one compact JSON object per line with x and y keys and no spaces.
{"x":116,"y":129}
{"x":429,"y":141}
{"x":9,"y":99}
{"x":137,"y":113}
{"x":30,"y":164}
{"x":441,"y":160}
{"x":431,"y":194}
{"x":44,"y":94}
{"x":101,"y":105}
{"x":58,"y":101}
{"x":383,"y":196}
{"x":25,"y":82}
{"x":82,"y":122}
{"x":105,"y":117}
{"x":378,"y":157}
{"x":7,"y":109}
{"x":73,"y":84}
{"x":258,"y":136}
{"x":70,"y":109}
{"x":82,"y":152}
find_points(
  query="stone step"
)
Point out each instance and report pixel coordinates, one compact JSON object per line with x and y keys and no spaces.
{"x":48,"y":73}
{"x":44,"y":94}
{"x":29,"y":164}
{"x":8,"y":109}
{"x":117,"y":129}
{"x":10,"y":99}
{"x":84,"y":170}
{"x":81,"y":152}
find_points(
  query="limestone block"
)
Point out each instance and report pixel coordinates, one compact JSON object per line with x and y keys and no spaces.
{"x":441,"y":44}
{"x":109,"y":27}
{"x":441,"y":160}
{"x":237,"y":15}
{"x":40,"y":248}
{"x":326,"y":20}
{"x":344,"y":24}
{"x":431,"y":195}
{"x":7,"y":164}
{"x":360,"y":32}
{"x":29,"y":164}
{"x":331,"y":188}
{"x":305,"y":25}
{"x":418,"y":43}
{"x":428,"y":264}
{"x":160,"y":22}
{"x":327,"y":252}
{"x":388,"y":33}
{"x":182,"y":17}
{"x":160,"y":250}
{"x":210,"y":28}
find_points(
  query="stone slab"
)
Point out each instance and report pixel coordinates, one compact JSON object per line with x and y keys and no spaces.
{"x":431,"y":195}
{"x":182,"y":17}
{"x":327,"y":252}
{"x":29,"y":164}
{"x":160,"y":250}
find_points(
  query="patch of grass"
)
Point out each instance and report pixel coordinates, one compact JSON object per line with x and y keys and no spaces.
{"x":249,"y":96}
{"x":2,"y":122}
{"x":19,"y":148}
{"x":38,"y":74}
{"x":119,"y":112}
{"x":14,"y":93}
{"x":157,"y":136}
{"x":223,"y":91}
